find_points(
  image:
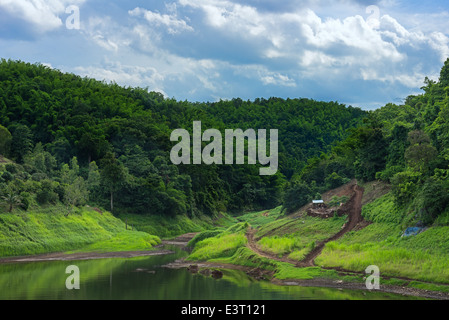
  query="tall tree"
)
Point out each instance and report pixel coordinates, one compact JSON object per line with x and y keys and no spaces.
{"x":420,"y":152}
{"x":113,"y":175}
{"x":5,"y":141}
{"x":21,"y":143}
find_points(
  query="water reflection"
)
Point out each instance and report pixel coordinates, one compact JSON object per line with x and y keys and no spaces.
{"x":145,"y":278}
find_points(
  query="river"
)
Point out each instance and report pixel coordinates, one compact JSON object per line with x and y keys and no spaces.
{"x":147,"y":278}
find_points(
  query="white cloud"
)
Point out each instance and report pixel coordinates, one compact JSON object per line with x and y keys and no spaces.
{"x":171,"y":22}
{"x":224,"y":48}
{"x":43,"y":14}
{"x":126,"y":75}
{"x":440,"y":42}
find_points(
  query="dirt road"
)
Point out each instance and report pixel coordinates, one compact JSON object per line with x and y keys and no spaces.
{"x":353,"y":208}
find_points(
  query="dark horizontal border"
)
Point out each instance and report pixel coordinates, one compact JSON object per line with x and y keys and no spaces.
{"x":273,"y":309}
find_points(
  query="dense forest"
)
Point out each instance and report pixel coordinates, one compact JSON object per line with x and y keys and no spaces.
{"x":76,"y":140}
{"x":405,"y":145}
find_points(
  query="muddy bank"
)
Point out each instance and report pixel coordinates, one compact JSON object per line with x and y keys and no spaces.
{"x":83,"y":256}
{"x":339,"y":284}
{"x":61,"y":256}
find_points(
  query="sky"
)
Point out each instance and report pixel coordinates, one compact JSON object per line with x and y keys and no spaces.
{"x":364,"y":53}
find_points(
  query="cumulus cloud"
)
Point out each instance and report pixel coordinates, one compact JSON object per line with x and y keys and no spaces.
{"x":319,"y":46}
{"x":42,"y":14}
{"x":170,"y":21}
{"x":126,"y":75}
{"x":197,"y":49}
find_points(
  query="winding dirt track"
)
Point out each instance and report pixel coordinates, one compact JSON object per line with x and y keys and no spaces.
{"x":354,"y":210}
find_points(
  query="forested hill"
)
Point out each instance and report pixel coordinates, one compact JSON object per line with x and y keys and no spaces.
{"x":76,"y":139}
{"x":405,"y":145}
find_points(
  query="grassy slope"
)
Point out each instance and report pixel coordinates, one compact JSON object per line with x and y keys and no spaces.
{"x":169,"y":227}
{"x":48,"y":230}
{"x":424,"y":257}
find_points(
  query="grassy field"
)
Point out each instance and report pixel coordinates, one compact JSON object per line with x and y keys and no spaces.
{"x":49,"y":230}
{"x":223,"y":244}
{"x":423,"y":257}
{"x":296,"y":237}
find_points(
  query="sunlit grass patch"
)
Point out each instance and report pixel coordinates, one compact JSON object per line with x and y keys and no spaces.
{"x":124,"y":241}
{"x":280,"y":245}
{"x":223,"y":246}
{"x":260,"y":218}
{"x":392,"y":261}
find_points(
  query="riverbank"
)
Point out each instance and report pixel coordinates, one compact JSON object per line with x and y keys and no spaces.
{"x":91,"y":255}
{"x":61,"y":256}
{"x":298,"y":249}
{"x":46,"y":230}
{"x":202,"y":266}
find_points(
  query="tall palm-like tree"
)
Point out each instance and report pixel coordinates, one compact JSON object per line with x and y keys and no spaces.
{"x":12,"y":200}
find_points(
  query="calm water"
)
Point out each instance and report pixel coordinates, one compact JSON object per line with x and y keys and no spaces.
{"x":145,"y":278}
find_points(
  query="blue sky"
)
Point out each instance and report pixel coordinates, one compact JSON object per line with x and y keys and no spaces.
{"x":364,"y":53}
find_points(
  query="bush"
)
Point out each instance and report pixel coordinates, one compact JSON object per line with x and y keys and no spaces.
{"x":433,"y":200}
{"x":47,"y":193}
{"x":26,"y":200}
{"x":7,"y":176}
{"x":335,"y":201}
{"x":297,"y":196}
{"x":11,"y":168}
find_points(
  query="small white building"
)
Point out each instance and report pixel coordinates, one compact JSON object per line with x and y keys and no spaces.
{"x":318,"y":203}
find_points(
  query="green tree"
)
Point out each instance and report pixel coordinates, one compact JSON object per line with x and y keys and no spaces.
{"x":5,"y":141}
{"x":371,"y":151}
{"x":297,"y":195}
{"x":444,"y":74}
{"x":113,"y":175}
{"x":11,"y":198}
{"x":21,"y":142}
{"x":421,"y":152}
{"x":75,"y":194}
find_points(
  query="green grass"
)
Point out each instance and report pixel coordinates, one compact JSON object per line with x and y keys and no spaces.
{"x":423,"y":257}
{"x":282,"y":271}
{"x":287,"y":271}
{"x":384,"y":210}
{"x":49,"y":230}
{"x":280,"y":245}
{"x":124,"y":241}
{"x":297,"y":237}
{"x":224,"y":244}
{"x":244,"y":256}
{"x":260,"y":218}
{"x":310,"y":228}
{"x":392,"y":261}
{"x":169,"y":227}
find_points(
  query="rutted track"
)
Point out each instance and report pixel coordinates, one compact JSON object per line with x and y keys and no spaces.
{"x":353,"y":208}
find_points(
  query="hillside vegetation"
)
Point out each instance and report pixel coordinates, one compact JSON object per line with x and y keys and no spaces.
{"x":399,"y":155}
{"x":117,"y":142}
{"x":50,"y":230}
